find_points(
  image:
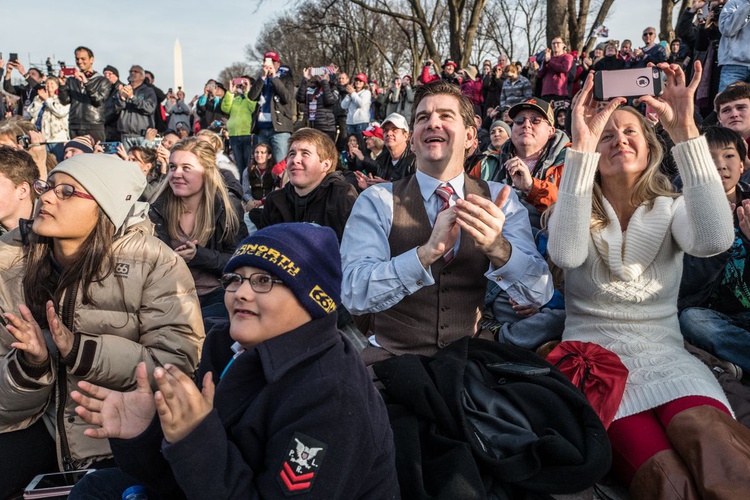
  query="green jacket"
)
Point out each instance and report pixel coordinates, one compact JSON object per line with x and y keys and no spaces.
{"x":240,"y":113}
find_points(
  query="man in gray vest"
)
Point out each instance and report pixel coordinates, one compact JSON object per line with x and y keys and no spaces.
{"x":418,"y":253}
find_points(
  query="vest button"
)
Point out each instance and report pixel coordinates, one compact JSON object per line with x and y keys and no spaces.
{"x":71,"y":420}
{"x":442,"y":327}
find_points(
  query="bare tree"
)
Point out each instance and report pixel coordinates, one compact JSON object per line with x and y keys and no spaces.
{"x":463,"y":30}
{"x":320,"y":33}
{"x":234,"y":70}
{"x":569,"y":19}
{"x":666,"y":24}
{"x":577,"y":16}
{"x":533,"y":25}
{"x":463,"y":20}
{"x":601,"y":15}
{"x":557,"y":20}
{"x":414,"y":13}
{"x":504,"y":19}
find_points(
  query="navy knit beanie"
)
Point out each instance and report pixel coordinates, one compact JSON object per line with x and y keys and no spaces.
{"x":304,"y":256}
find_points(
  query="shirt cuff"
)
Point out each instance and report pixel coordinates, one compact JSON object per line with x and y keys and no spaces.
{"x":579,"y":172}
{"x":511,"y":272}
{"x":410,"y":272}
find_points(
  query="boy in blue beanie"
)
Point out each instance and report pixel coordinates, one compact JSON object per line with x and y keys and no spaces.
{"x":293,"y":410}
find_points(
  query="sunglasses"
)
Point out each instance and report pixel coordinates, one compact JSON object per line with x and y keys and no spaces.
{"x":534,"y":120}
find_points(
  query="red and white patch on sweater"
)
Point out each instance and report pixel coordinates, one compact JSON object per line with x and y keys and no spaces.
{"x":300,"y":468}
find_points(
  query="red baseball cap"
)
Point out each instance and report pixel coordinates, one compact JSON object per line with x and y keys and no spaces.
{"x":361,"y":77}
{"x":271,"y":55}
{"x":373,"y":131}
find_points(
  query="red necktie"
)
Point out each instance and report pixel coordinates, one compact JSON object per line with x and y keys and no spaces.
{"x":445,"y":193}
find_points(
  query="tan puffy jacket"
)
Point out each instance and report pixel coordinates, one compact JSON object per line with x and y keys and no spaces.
{"x":146,"y":310}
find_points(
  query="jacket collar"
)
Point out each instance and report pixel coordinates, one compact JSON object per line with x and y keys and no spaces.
{"x":280,"y":354}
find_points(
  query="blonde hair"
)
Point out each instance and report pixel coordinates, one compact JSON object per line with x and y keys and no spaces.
{"x":213,"y":187}
{"x":651,"y":184}
{"x":214,"y":139}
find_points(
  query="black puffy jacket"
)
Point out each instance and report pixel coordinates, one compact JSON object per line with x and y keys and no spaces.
{"x":86,"y":100}
{"x":325,"y":98}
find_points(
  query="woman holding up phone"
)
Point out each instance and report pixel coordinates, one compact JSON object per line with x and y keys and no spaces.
{"x":87,"y":293}
{"x":619,"y":232}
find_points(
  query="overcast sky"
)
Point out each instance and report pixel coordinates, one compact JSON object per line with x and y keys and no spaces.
{"x":212,"y":34}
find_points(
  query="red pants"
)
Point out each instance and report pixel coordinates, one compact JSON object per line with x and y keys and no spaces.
{"x":638,"y":437}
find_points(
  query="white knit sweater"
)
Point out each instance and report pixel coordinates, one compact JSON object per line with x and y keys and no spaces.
{"x":621,"y":287}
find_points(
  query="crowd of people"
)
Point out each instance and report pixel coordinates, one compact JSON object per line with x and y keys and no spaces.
{"x":175,"y":276}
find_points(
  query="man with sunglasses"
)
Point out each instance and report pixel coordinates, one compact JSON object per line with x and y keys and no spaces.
{"x":532,"y":160}
{"x":651,"y":52}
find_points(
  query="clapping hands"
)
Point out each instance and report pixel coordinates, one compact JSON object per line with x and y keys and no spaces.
{"x":181,"y":407}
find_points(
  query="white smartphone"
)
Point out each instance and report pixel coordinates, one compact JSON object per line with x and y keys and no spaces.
{"x":54,"y":484}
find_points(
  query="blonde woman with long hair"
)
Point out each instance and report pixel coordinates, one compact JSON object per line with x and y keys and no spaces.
{"x":620,"y":233}
{"x":199,"y":218}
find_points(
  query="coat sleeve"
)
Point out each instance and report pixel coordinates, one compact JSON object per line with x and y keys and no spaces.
{"x":329,"y":98}
{"x":24,"y":390}
{"x":170,"y":325}
{"x":702,"y":225}
{"x":734,"y":17}
{"x":256,"y":90}
{"x":57,"y":109}
{"x":63,"y":93}
{"x":686,"y":30}
{"x":146,"y":105}
{"x":542,"y":194}
{"x":98,"y":90}
{"x":181,"y":108}
{"x":220,"y":470}
{"x":284,"y":88}
{"x":570,"y":222}
{"x":301,"y":94}
{"x":560,"y":64}
{"x":226,"y":103}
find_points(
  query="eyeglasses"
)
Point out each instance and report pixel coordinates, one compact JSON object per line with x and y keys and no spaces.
{"x":62,"y":191}
{"x":649,"y":33}
{"x":259,"y":282}
{"x":534,"y":120}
